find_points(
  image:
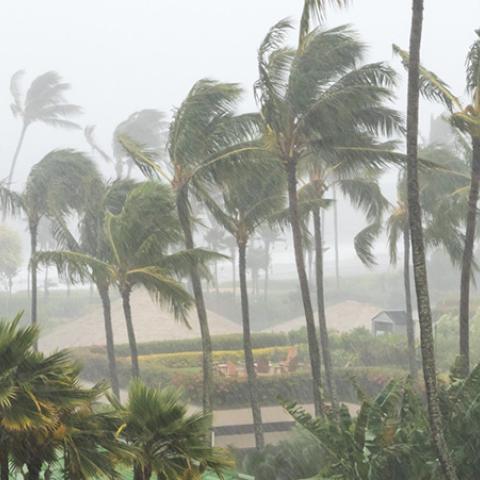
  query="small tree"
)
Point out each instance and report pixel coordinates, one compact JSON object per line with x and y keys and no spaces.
{"x":10,"y":255}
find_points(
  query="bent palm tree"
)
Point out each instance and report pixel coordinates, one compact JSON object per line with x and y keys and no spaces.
{"x":166,"y":440}
{"x":203,"y":132}
{"x":466,"y":118}
{"x":250,"y":198}
{"x":418,"y":248}
{"x":442,"y":210}
{"x":107,"y":198}
{"x":362,"y":190}
{"x":44,"y":102}
{"x":62,"y":182}
{"x":306,"y":96}
{"x":138,"y":240}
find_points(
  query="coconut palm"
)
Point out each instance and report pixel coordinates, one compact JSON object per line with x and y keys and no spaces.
{"x":169,"y":442}
{"x":418,"y":248}
{"x":308,"y":95}
{"x":442,"y":211}
{"x":203,"y":132}
{"x":139,"y":239}
{"x":107,"y":198}
{"x":251,"y":197}
{"x":61,"y":183}
{"x":44,"y":102}
{"x":362,"y":190}
{"x":465,"y":118}
{"x":44,"y":412}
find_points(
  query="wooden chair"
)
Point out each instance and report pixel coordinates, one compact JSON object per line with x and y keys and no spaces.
{"x":291,"y":362}
{"x":263,"y":365}
{"x":232,"y":370}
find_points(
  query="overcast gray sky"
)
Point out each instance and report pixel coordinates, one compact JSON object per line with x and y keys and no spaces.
{"x":125,"y":55}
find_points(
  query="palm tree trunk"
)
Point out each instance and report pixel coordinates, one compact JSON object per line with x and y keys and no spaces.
{"x":322,"y":318}
{"x":234,"y":271}
{"x":107,"y":318}
{"x":45,"y":283}
{"x":33,"y":227}
{"x":267,"y":264}
{"x":207,"y":361}
{"x":412,"y":360}
{"x":127,"y":311}
{"x":335,"y":236}
{"x":247,"y":347}
{"x":418,"y":249}
{"x":313,"y":348}
{"x":34,"y":469}
{"x":15,"y":155}
{"x":4,"y":466}
{"x":467,"y":259}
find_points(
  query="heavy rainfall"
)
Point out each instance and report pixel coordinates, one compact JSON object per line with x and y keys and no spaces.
{"x":239,"y":240}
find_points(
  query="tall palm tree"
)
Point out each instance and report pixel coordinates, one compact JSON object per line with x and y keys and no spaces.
{"x":306,"y":97}
{"x":465,"y":118}
{"x":167,"y":441}
{"x":61,"y":183}
{"x":203,"y":132}
{"x":251,"y":197}
{"x":418,"y":248}
{"x":362,"y":189}
{"x":442,"y":211}
{"x":107,"y":198}
{"x":44,"y":102}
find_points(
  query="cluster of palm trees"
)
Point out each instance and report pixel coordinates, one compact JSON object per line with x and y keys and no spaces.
{"x":324,"y":125}
{"x":52,"y":426}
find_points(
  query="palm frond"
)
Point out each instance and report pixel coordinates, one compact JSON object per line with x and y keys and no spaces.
{"x":364,"y":241}
{"x":316,"y":9}
{"x":431,"y":86}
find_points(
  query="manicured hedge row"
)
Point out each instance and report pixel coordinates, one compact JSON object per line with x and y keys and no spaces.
{"x":233,"y":392}
{"x":220,"y":342}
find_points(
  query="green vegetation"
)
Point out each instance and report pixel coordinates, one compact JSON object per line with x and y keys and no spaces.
{"x":324,"y":126}
{"x":50,"y":425}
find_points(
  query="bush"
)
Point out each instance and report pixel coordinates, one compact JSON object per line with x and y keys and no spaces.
{"x":233,"y":392}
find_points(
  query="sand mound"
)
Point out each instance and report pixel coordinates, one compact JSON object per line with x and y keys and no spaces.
{"x":341,"y":317}
{"x":150,"y":320}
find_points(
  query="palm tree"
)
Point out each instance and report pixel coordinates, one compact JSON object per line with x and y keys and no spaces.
{"x":138,"y":240}
{"x":203,"y":132}
{"x":167,"y":441}
{"x":44,"y":102}
{"x":107,"y":198}
{"x":43,"y":411}
{"x":362,"y":189}
{"x":146,"y":127}
{"x":251,"y":197}
{"x":442,"y":210}
{"x":465,"y":118}
{"x":60,"y":183}
{"x":306,"y":97}
{"x":418,"y":248}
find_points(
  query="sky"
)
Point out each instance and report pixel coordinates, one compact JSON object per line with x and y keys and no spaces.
{"x":123,"y":55}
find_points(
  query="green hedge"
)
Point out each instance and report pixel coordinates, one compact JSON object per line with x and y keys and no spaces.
{"x":219,"y":342}
{"x":233,"y":392}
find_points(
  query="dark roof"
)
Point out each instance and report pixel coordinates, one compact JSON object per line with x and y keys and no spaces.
{"x":399,"y":317}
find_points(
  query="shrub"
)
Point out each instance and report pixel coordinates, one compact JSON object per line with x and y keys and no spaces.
{"x":219,"y":342}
